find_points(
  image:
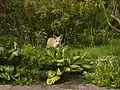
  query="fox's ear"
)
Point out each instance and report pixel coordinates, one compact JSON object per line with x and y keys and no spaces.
{"x":54,"y":36}
{"x":61,"y":36}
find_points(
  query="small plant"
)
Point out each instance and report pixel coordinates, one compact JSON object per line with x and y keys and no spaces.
{"x":107,"y":72}
{"x":8,"y":73}
{"x":62,"y":62}
{"x":14,"y":52}
{"x":11,"y":56}
{"x":54,"y":62}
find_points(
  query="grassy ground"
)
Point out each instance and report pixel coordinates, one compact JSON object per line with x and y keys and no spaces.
{"x":112,"y":48}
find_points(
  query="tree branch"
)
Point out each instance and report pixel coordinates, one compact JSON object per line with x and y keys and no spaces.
{"x":115,"y":18}
{"x":108,"y":19}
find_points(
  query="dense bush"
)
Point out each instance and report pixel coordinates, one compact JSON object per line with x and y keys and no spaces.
{"x":32,"y":21}
{"x":54,"y":62}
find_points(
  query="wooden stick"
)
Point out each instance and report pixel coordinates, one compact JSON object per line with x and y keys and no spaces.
{"x":115,"y":18}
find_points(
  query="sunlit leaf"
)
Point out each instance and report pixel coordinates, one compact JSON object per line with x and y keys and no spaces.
{"x":52,"y":80}
{"x":75,"y":68}
{"x":5,"y":76}
{"x":15,"y":45}
{"x":51,"y":73}
{"x":59,"y":72}
{"x":9,"y":69}
{"x":67,"y":69}
{"x":11,"y":50}
{"x":87,"y":66}
{"x":75,"y":59}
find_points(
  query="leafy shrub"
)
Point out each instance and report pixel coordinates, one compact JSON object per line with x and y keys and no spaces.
{"x":61,"y":63}
{"x":54,"y":62}
{"x":34,"y":21}
{"x":8,"y":74}
{"x":10,"y":55}
{"x":106,"y":72}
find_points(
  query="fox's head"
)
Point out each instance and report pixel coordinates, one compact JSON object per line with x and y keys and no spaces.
{"x":54,"y":41}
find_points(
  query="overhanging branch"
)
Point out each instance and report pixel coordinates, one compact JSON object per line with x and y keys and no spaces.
{"x":108,"y":19}
{"x":115,"y":18}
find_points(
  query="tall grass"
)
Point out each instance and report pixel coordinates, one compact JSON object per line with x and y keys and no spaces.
{"x":112,"y":48}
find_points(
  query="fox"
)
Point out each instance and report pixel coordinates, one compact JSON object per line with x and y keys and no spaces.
{"x":54,"y":41}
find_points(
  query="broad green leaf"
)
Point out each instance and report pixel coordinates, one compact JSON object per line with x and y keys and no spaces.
{"x":11,"y":57}
{"x":15,"y":53}
{"x":11,"y":50}
{"x":58,"y":55}
{"x":87,"y":66}
{"x":75,"y":59}
{"x":51,"y":73}
{"x":63,"y":62}
{"x":9,"y":69}
{"x":46,"y":57}
{"x":15,"y":45}
{"x":14,"y":77}
{"x":75,"y":68}
{"x":67,"y":69}
{"x":1,"y":68}
{"x":17,"y":75}
{"x":1,"y":51}
{"x":84,"y":55}
{"x":5,"y":76}
{"x":59,"y":72}
{"x":60,"y":62}
{"x":51,"y":52}
{"x":52,"y":80}
{"x":64,"y":51}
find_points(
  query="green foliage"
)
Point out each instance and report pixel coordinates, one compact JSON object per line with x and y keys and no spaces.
{"x":64,"y":61}
{"x":39,"y":63}
{"x":11,"y":55}
{"x":62,"y":65}
{"x":2,"y":51}
{"x":15,"y":52}
{"x":106,"y":72}
{"x":112,"y":48}
{"x":54,"y":62}
{"x":8,"y":73}
{"x":79,"y":22}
